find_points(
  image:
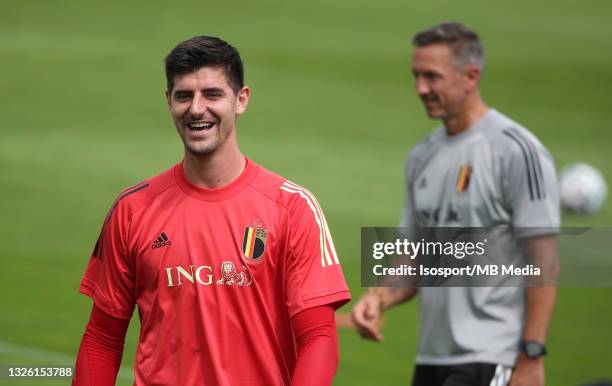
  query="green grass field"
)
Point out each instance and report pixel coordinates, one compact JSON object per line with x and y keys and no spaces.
{"x":332,"y":108}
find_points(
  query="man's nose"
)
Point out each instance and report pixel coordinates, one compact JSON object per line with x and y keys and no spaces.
{"x":422,"y":88}
{"x":198,"y":105}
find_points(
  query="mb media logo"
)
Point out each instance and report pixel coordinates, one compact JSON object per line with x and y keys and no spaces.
{"x":161,"y":241}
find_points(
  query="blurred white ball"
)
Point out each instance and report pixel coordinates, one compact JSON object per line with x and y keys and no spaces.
{"x":583,"y":188}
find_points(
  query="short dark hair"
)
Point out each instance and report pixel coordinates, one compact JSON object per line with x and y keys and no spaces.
{"x":204,"y":51}
{"x":464,"y":43}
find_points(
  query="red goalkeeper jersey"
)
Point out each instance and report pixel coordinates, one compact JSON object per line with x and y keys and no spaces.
{"x":216,"y":275}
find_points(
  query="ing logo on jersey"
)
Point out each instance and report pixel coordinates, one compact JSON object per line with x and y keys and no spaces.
{"x":230,"y":276}
{"x":203,"y":275}
{"x":254,"y":242}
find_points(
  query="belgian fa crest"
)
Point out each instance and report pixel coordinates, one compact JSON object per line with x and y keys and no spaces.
{"x":463,"y":179}
{"x":254,"y":242}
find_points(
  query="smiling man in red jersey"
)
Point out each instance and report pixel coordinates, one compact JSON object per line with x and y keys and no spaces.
{"x":232,"y":267}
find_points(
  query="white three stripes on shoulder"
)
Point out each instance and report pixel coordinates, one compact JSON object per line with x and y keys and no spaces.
{"x":328,"y":251}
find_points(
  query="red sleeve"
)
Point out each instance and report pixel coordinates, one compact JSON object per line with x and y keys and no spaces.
{"x":101,"y":350}
{"x":109,"y":278}
{"x":317,"y":344}
{"x":313,"y":272}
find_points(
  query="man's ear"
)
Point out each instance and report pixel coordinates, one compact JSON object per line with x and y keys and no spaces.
{"x":243,"y":99}
{"x":472,"y":72}
{"x":168,"y":94}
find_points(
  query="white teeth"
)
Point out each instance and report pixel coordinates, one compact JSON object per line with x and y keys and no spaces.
{"x":201,"y":125}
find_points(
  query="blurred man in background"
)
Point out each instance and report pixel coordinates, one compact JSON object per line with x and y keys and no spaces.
{"x":232,"y":267}
{"x":479,"y":169}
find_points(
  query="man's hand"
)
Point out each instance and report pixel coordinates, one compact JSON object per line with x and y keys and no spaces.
{"x":366,"y":316}
{"x":528,"y":371}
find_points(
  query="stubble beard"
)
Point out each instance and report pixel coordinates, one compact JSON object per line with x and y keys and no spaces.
{"x":197,"y":149}
{"x":210,"y":145}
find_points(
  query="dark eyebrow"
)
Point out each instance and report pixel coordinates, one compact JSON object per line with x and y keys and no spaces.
{"x":427,"y":73}
{"x":182,"y":93}
{"x":213,"y":90}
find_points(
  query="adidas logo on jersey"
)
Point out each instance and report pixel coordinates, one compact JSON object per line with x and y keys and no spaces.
{"x":161,"y":241}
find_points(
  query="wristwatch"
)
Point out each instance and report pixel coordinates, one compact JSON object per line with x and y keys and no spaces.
{"x":533,"y":348}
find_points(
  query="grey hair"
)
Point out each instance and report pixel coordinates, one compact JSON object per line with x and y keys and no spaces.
{"x":464,"y":43}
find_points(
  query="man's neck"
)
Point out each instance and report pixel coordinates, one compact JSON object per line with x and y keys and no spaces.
{"x":215,"y":170}
{"x":467,"y":117}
